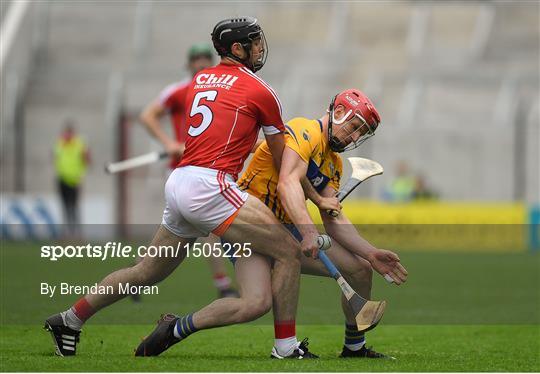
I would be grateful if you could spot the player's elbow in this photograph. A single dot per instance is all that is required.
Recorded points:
(149, 115)
(144, 118)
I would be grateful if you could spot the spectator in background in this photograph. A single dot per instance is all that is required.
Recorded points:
(421, 191)
(402, 187)
(71, 157)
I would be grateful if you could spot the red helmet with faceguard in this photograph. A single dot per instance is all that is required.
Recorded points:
(357, 105)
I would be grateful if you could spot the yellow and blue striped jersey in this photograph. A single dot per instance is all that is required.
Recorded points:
(305, 137)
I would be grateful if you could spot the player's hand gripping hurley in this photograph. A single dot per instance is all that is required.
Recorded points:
(362, 169)
(367, 313)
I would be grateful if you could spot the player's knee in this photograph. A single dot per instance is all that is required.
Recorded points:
(360, 270)
(255, 307)
(261, 305)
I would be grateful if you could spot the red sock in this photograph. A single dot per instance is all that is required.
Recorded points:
(284, 329)
(82, 309)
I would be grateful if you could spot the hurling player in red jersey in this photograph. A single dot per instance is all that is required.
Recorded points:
(226, 107)
(172, 102)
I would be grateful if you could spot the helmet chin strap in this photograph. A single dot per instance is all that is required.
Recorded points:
(247, 46)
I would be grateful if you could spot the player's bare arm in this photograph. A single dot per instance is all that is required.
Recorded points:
(327, 203)
(291, 195)
(150, 117)
(256, 145)
(343, 231)
(276, 144)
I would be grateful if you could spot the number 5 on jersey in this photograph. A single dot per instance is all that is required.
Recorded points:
(203, 110)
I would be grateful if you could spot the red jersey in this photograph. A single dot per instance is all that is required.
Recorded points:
(173, 98)
(226, 106)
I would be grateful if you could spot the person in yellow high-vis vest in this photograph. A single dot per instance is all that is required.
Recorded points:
(71, 158)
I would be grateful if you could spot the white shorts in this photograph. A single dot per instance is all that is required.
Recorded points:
(199, 201)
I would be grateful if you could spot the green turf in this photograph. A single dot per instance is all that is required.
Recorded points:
(457, 312)
(246, 348)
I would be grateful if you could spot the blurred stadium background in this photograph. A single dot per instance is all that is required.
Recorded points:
(457, 84)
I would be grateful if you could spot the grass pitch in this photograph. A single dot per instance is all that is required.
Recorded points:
(458, 312)
(247, 348)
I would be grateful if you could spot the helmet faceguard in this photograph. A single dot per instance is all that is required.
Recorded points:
(245, 31)
(348, 136)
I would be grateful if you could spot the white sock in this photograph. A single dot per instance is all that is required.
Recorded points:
(176, 333)
(356, 347)
(285, 347)
(71, 320)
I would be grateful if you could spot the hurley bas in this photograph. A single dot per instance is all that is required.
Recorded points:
(122, 289)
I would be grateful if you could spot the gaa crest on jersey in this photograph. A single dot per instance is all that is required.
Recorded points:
(305, 135)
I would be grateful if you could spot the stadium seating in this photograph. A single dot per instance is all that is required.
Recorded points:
(435, 79)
